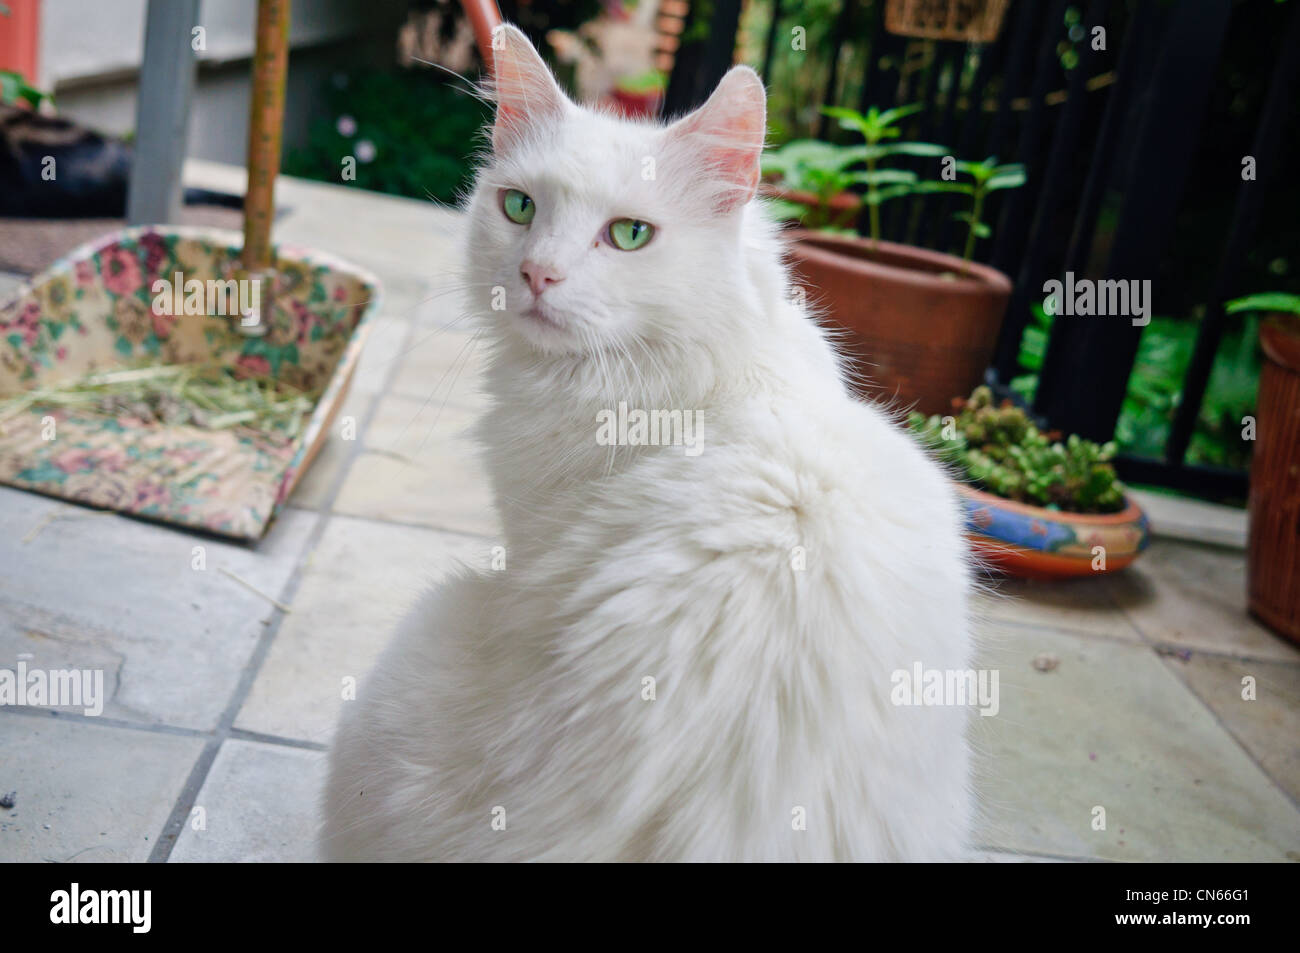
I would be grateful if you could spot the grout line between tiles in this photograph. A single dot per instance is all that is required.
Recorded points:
(243, 734)
(180, 812)
(72, 717)
(1065, 858)
(406, 524)
(1187, 686)
(156, 728)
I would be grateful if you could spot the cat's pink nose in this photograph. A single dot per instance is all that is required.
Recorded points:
(539, 277)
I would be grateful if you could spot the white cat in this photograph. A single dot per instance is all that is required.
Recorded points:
(690, 653)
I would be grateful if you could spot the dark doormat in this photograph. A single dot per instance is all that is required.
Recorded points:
(29, 245)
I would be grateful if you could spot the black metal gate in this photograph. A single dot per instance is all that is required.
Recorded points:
(1121, 127)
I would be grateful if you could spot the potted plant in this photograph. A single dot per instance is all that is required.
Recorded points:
(922, 324)
(809, 181)
(1273, 553)
(1036, 506)
(640, 97)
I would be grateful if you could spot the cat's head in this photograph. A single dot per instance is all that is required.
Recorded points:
(589, 230)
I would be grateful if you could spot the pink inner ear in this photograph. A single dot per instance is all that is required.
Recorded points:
(526, 92)
(728, 132)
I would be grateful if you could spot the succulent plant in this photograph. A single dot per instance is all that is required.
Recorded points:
(999, 449)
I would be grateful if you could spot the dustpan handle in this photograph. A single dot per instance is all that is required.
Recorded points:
(265, 130)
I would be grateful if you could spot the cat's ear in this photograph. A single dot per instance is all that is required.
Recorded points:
(526, 93)
(726, 135)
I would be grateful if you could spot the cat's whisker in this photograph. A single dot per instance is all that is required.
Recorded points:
(458, 366)
(424, 406)
(471, 88)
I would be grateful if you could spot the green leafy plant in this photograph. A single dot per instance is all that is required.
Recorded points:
(985, 177)
(1001, 450)
(1155, 386)
(825, 170)
(819, 169)
(655, 81)
(1282, 307)
(410, 132)
(877, 129)
(14, 89)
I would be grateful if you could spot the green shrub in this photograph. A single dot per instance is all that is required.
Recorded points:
(421, 133)
(999, 449)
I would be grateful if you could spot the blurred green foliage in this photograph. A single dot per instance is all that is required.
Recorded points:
(1155, 387)
(411, 132)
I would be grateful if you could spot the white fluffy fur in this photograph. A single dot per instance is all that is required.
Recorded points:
(522, 689)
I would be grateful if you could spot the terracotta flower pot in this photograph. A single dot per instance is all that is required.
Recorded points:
(1273, 558)
(638, 105)
(922, 325)
(841, 210)
(1037, 543)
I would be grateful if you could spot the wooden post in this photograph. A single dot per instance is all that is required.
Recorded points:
(265, 134)
(162, 112)
(265, 130)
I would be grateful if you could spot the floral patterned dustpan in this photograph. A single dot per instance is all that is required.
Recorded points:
(91, 311)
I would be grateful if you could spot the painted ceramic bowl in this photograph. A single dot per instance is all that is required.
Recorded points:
(1037, 543)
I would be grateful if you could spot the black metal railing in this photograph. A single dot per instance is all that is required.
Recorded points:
(1118, 130)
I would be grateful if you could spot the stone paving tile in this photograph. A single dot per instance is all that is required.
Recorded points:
(382, 354)
(443, 368)
(444, 305)
(1002, 857)
(1085, 605)
(393, 237)
(1111, 727)
(403, 295)
(313, 489)
(1195, 597)
(379, 363)
(102, 591)
(419, 468)
(260, 804)
(1269, 724)
(86, 792)
(349, 603)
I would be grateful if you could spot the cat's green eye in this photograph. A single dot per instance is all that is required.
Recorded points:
(518, 206)
(629, 234)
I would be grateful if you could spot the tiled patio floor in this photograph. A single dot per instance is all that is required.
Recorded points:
(212, 746)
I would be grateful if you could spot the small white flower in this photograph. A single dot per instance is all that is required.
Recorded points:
(347, 126)
(366, 151)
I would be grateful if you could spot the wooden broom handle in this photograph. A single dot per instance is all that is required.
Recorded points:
(265, 130)
(484, 17)
(266, 115)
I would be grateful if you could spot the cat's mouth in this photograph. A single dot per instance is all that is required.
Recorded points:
(540, 314)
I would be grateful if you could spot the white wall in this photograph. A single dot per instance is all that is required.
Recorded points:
(91, 50)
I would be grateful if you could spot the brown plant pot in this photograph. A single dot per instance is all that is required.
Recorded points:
(922, 325)
(842, 209)
(1273, 557)
(634, 105)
